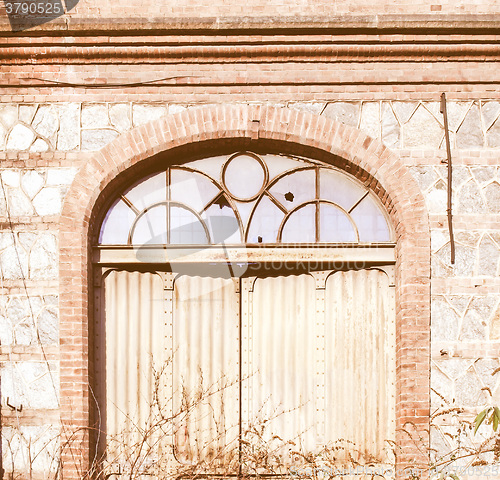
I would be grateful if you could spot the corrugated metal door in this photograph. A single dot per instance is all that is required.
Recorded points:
(361, 367)
(280, 362)
(319, 359)
(316, 352)
(206, 345)
(135, 349)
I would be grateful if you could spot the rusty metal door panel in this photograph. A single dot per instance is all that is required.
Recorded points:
(135, 349)
(317, 360)
(206, 368)
(360, 370)
(280, 365)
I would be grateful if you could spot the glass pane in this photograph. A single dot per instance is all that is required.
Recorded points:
(301, 226)
(222, 224)
(277, 164)
(334, 225)
(191, 189)
(265, 223)
(371, 222)
(151, 228)
(245, 209)
(185, 228)
(211, 166)
(244, 176)
(148, 192)
(338, 188)
(116, 226)
(295, 188)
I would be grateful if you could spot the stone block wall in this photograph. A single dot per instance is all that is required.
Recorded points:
(400, 125)
(465, 326)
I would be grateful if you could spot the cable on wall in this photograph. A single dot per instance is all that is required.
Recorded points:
(106, 85)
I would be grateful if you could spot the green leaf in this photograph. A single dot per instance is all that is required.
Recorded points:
(480, 419)
(496, 418)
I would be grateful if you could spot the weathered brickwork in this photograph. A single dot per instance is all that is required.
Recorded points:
(329, 90)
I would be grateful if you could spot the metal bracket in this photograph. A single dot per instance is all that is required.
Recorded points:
(450, 191)
(168, 279)
(12, 407)
(99, 273)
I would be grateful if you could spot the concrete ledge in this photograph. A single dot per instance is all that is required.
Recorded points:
(440, 23)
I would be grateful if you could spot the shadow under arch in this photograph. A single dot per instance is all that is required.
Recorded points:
(221, 129)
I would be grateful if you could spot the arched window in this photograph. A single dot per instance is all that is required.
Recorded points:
(246, 199)
(245, 298)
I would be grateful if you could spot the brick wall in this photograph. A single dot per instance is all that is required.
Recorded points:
(77, 136)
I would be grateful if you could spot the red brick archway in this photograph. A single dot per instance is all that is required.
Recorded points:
(362, 156)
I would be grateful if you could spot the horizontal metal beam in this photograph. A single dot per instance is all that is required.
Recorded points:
(373, 254)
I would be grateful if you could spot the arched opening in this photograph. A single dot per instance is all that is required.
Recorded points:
(220, 129)
(245, 301)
